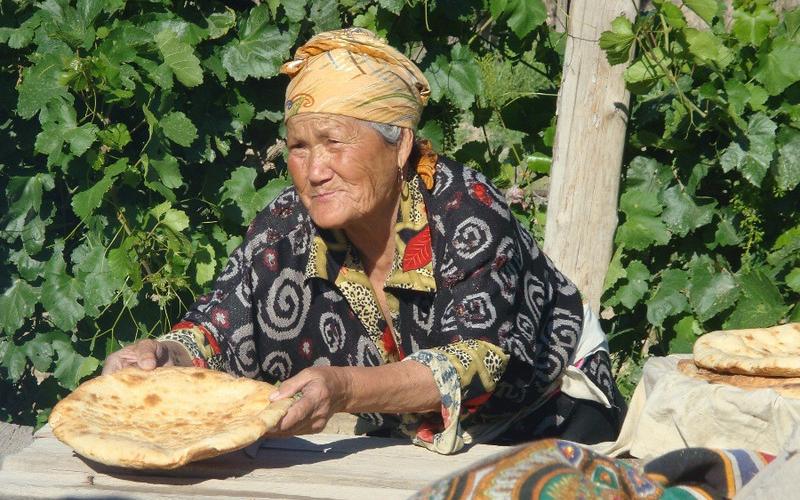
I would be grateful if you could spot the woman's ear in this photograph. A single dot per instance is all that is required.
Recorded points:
(404, 146)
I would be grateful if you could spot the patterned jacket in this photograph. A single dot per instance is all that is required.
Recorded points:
(471, 296)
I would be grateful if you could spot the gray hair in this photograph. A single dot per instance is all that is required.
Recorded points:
(390, 133)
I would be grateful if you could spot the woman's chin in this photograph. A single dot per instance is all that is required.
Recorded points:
(327, 220)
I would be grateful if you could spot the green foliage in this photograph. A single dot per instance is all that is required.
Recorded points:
(710, 231)
(140, 137)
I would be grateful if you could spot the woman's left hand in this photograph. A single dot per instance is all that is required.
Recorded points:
(324, 392)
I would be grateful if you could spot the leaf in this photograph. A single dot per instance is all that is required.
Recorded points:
(616, 271)
(793, 279)
(41, 85)
(86, 202)
(219, 23)
(71, 366)
(325, 15)
(787, 168)
(180, 58)
(646, 174)
(636, 286)
(753, 28)
(178, 128)
(753, 157)
(636, 202)
(205, 264)
(672, 13)
(707, 48)
(458, 78)
(618, 41)
(25, 193)
(646, 71)
(240, 190)
(258, 54)
(706, 9)
(669, 299)
(682, 214)
(433, 132)
(101, 282)
(539, 163)
(418, 252)
(780, 67)
(17, 304)
(33, 235)
(175, 219)
(525, 16)
(761, 303)
(641, 231)
(726, 234)
(39, 351)
(687, 329)
(60, 292)
(29, 269)
(116, 136)
(393, 6)
(295, 10)
(59, 126)
(168, 171)
(711, 290)
(13, 360)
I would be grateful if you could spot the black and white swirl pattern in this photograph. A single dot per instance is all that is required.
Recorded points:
(444, 178)
(332, 329)
(477, 311)
(449, 320)
(422, 312)
(283, 314)
(244, 348)
(277, 365)
(534, 295)
(472, 237)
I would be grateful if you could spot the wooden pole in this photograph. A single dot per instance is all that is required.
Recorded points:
(587, 153)
(557, 14)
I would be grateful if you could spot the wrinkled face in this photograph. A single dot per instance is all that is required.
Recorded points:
(343, 170)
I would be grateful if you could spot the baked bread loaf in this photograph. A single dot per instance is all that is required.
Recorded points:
(766, 352)
(164, 418)
(787, 387)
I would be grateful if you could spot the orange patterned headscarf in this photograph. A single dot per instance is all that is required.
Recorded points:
(354, 73)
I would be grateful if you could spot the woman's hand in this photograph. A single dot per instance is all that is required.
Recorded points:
(147, 354)
(325, 392)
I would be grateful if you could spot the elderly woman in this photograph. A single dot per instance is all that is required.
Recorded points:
(393, 283)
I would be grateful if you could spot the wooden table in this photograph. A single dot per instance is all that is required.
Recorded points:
(318, 466)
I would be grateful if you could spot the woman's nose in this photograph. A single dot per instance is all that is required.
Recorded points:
(319, 166)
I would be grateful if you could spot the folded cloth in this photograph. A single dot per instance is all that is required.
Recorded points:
(558, 469)
(671, 411)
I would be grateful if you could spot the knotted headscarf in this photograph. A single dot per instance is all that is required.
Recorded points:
(354, 73)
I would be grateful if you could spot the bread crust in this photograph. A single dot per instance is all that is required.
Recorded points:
(766, 352)
(165, 418)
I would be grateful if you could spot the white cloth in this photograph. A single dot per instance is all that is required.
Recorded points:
(670, 411)
(575, 383)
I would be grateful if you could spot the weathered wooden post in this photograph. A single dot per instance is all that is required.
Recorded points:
(587, 153)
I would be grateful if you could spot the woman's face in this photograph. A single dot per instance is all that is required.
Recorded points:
(343, 170)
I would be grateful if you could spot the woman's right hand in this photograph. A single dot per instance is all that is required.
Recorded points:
(147, 354)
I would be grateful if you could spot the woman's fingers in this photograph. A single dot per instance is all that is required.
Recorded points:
(312, 411)
(145, 354)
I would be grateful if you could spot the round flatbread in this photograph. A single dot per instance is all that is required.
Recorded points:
(767, 352)
(788, 387)
(165, 418)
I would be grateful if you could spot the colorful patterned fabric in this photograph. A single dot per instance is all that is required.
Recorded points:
(470, 294)
(352, 72)
(557, 469)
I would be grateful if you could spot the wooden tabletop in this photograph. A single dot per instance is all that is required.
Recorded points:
(318, 466)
